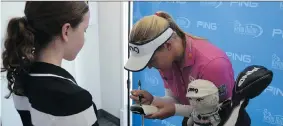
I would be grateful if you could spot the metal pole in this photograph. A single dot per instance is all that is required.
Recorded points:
(128, 81)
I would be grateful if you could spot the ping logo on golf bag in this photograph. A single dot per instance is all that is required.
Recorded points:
(135, 49)
(246, 75)
(193, 89)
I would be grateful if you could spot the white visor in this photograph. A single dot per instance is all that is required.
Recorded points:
(141, 54)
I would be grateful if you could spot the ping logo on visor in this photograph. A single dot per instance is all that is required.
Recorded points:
(140, 54)
(152, 45)
(134, 49)
(193, 89)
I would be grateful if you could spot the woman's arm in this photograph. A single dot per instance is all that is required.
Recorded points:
(183, 110)
(167, 98)
(180, 110)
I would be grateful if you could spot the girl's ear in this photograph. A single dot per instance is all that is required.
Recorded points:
(65, 29)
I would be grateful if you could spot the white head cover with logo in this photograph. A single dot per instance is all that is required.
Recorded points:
(142, 53)
(200, 88)
(204, 99)
(203, 96)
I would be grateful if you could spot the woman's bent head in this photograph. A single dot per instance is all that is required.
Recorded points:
(149, 31)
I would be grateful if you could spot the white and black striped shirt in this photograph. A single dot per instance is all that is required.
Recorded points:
(52, 98)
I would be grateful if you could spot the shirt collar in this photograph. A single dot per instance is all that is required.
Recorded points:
(189, 61)
(46, 68)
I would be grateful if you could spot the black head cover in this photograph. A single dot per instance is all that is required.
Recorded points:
(251, 82)
(137, 109)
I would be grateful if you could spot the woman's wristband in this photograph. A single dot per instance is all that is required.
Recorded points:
(183, 110)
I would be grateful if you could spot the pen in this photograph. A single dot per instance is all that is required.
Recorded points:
(140, 96)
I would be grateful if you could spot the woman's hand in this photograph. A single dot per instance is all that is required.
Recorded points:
(147, 98)
(165, 110)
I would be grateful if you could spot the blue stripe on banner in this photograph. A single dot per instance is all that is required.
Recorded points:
(249, 33)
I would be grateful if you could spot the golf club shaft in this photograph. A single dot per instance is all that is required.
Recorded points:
(142, 120)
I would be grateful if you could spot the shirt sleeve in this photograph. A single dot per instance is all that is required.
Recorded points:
(79, 110)
(164, 80)
(180, 110)
(220, 72)
(167, 98)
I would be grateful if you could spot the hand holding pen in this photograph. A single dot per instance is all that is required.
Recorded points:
(141, 96)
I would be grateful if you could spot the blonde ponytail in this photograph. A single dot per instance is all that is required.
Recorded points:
(151, 26)
(174, 25)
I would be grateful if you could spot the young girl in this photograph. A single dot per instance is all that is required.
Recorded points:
(157, 41)
(44, 93)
